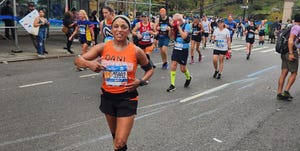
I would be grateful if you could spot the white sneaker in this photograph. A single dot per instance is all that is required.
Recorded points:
(41, 56)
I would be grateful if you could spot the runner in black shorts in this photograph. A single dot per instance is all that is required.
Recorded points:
(197, 29)
(181, 50)
(250, 32)
(119, 96)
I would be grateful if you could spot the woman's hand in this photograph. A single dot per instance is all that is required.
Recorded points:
(132, 84)
(95, 65)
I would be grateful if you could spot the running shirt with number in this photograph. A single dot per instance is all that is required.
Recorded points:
(84, 32)
(195, 30)
(163, 24)
(221, 39)
(106, 30)
(180, 44)
(250, 35)
(120, 67)
(145, 32)
(231, 26)
(214, 25)
(205, 26)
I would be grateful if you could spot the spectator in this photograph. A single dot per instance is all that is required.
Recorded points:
(43, 24)
(8, 11)
(290, 62)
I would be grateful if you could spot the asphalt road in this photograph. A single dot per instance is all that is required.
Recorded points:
(46, 105)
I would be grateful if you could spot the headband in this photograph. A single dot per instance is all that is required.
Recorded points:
(124, 18)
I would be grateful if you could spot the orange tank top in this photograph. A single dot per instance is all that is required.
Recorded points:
(120, 67)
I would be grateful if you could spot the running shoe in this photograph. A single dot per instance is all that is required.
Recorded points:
(187, 82)
(165, 66)
(171, 88)
(248, 56)
(41, 56)
(219, 76)
(228, 55)
(200, 58)
(282, 97)
(215, 74)
(287, 93)
(192, 62)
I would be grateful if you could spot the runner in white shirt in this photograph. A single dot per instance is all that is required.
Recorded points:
(221, 38)
(206, 27)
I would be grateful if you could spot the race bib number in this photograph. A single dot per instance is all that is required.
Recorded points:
(163, 27)
(250, 35)
(108, 38)
(82, 30)
(116, 75)
(220, 43)
(195, 33)
(178, 46)
(146, 37)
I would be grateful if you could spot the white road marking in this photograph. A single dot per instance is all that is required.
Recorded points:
(89, 75)
(143, 116)
(71, 147)
(205, 92)
(247, 86)
(27, 139)
(268, 50)
(203, 114)
(35, 84)
(203, 100)
(257, 49)
(217, 140)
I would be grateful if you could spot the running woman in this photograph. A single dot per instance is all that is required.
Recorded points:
(163, 25)
(197, 30)
(180, 50)
(221, 38)
(206, 26)
(86, 31)
(106, 24)
(145, 30)
(119, 61)
(261, 32)
(250, 32)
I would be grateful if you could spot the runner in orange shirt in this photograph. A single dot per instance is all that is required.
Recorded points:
(119, 59)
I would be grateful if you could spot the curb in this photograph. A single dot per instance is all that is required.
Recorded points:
(36, 58)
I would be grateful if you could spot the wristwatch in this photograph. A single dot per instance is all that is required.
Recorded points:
(142, 82)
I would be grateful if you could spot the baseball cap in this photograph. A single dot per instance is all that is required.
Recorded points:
(220, 20)
(144, 14)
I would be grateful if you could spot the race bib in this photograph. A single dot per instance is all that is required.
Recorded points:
(115, 75)
(195, 33)
(82, 30)
(163, 27)
(146, 37)
(108, 38)
(250, 35)
(178, 46)
(220, 43)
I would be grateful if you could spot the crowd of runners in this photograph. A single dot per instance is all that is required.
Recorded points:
(118, 57)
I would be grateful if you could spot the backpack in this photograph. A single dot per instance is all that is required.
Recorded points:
(282, 41)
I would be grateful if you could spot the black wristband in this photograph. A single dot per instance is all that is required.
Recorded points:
(142, 82)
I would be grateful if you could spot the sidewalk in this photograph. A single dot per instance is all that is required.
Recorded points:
(54, 45)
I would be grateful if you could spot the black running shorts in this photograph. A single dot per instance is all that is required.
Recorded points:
(205, 34)
(119, 106)
(250, 40)
(219, 52)
(180, 56)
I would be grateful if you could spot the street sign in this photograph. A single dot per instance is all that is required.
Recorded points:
(244, 7)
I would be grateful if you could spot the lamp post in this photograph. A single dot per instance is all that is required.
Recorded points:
(245, 6)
